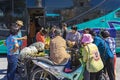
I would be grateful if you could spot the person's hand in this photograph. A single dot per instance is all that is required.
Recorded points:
(25, 37)
(73, 43)
(4, 43)
(70, 44)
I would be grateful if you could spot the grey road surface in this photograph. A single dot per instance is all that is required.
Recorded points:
(3, 68)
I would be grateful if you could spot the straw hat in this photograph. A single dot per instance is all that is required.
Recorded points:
(19, 22)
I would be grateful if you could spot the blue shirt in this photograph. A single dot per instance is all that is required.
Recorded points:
(103, 47)
(10, 44)
(19, 35)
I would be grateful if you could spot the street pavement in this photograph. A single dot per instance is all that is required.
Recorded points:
(118, 67)
(3, 68)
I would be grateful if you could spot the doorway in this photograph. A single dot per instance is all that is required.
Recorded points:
(36, 21)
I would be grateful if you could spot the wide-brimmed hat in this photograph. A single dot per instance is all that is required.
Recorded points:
(87, 38)
(19, 22)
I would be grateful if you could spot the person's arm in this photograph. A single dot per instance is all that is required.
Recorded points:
(16, 45)
(22, 38)
(84, 54)
(37, 36)
(68, 36)
(4, 43)
(78, 38)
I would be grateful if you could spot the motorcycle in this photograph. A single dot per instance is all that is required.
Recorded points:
(47, 70)
(44, 69)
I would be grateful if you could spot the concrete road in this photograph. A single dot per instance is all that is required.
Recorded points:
(3, 67)
(118, 67)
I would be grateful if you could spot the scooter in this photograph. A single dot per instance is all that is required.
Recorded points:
(47, 70)
(44, 69)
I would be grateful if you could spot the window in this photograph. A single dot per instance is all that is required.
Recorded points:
(10, 11)
(1, 13)
(5, 14)
(81, 4)
(84, 20)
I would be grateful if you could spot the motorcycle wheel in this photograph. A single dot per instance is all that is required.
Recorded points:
(102, 77)
(22, 71)
(40, 74)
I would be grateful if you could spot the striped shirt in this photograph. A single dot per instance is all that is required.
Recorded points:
(112, 43)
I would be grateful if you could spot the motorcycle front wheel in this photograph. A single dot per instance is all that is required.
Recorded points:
(40, 74)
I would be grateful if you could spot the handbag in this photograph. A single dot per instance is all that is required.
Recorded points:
(94, 64)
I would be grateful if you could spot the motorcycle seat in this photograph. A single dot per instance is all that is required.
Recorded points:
(48, 61)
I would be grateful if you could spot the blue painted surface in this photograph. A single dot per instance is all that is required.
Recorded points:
(108, 21)
(3, 48)
(52, 15)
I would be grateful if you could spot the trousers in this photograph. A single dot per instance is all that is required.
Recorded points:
(12, 65)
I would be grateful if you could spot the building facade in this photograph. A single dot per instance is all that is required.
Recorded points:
(85, 10)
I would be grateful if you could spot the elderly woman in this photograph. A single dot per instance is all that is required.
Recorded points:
(91, 57)
(58, 52)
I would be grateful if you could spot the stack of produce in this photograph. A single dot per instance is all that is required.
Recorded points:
(34, 50)
(39, 46)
